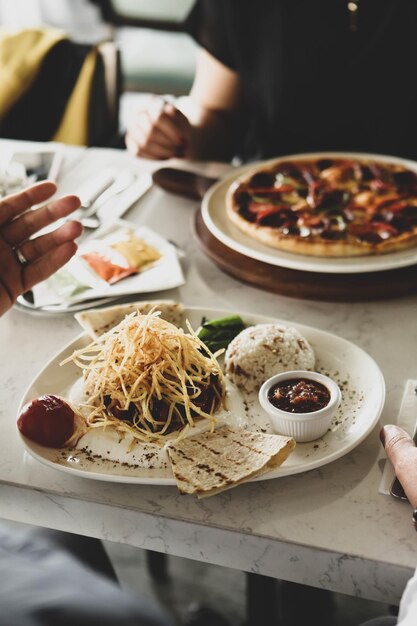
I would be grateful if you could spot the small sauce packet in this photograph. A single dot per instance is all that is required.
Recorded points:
(119, 255)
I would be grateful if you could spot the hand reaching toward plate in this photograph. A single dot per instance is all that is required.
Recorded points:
(402, 453)
(25, 261)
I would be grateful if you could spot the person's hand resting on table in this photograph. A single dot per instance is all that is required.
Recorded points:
(24, 262)
(402, 452)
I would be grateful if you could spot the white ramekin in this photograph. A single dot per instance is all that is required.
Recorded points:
(301, 426)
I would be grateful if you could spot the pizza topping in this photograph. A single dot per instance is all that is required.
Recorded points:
(345, 200)
(406, 181)
(281, 179)
(373, 232)
(263, 179)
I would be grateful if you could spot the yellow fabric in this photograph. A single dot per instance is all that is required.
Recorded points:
(21, 56)
(74, 125)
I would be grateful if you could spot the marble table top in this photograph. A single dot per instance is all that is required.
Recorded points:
(328, 528)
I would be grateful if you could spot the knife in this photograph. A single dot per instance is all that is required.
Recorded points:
(408, 408)
(119, 184)
(111, 211)
(91, 191)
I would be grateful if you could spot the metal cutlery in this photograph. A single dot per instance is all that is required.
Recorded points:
(111, 211)
(119, 184)
(105, 188)
(90, 192)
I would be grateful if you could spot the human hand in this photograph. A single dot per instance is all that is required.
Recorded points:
(402, 453)
(159, 131)
(40, 257)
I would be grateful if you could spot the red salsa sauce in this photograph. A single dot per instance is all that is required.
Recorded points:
(299, 395)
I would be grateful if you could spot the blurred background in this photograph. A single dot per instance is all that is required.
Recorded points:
(142, 48)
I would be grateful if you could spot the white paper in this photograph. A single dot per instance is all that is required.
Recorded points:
(166, 273)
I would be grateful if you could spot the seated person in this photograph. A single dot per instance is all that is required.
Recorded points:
(283, 77)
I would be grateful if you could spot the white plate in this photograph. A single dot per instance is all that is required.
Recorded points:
(363, 391)
(216, 220)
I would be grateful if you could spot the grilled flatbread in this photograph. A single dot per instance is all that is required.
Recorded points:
(98, 321)
(215, 461)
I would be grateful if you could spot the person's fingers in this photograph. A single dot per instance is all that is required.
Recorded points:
(17, 203)
(10, 278)
(21, 228)
(163, 140)
(396, 443)
(148, 150)
(5, 301)
(35, 248)
(145, 138)
(402, 453)
(45, 266)
(45, 255)
(155, 151)
(131, 144)
(159, 132)
(171, 122)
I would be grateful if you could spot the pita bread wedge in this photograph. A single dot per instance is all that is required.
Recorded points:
(98, 321)
(215, 461)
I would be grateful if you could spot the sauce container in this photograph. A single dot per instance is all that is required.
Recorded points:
(307, 424)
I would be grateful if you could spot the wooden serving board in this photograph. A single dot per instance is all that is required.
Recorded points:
(300, 284)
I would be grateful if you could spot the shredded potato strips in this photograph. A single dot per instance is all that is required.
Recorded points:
(149, 378)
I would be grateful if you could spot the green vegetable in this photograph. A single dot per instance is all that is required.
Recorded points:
(218, 333)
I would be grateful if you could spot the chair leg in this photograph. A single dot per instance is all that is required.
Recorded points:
(157, 563)
(262, 605)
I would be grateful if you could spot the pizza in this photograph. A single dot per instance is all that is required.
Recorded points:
(335, 207)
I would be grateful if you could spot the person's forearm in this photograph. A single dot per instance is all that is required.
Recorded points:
(213, 136)
(213, 106)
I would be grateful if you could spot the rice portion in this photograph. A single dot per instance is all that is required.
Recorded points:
(261, 351)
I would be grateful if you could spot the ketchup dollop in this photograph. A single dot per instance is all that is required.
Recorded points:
(47, 420)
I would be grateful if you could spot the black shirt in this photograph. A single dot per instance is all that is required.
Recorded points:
(309, 82)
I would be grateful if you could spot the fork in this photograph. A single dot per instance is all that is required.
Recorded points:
(89, 219)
